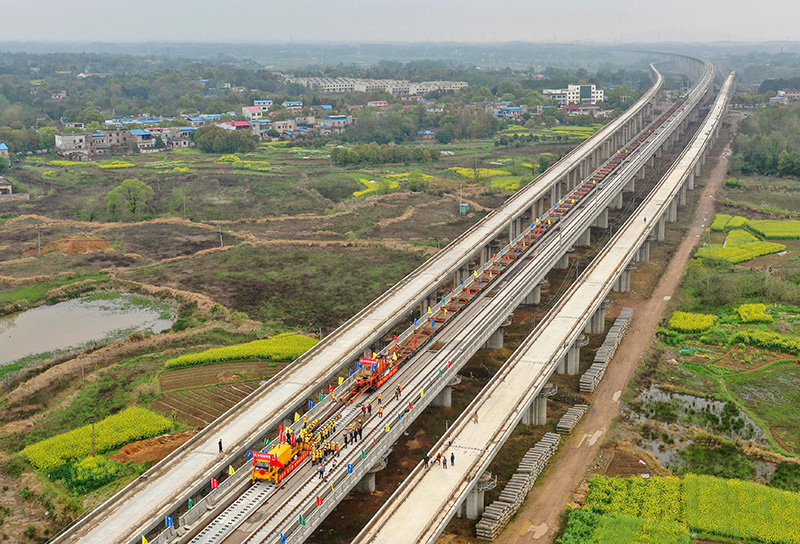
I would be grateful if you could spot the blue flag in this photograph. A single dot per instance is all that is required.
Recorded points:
(349, 468)
(310, 404)
(283, 538)
(359, 367)
(168, 522)
(352, 371)
(374, 367)
(415, 321)
(249, 455)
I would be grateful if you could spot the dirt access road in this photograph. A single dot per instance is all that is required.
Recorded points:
(539, 520)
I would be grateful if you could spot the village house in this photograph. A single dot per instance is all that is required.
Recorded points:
(4, 151)
(252, 112)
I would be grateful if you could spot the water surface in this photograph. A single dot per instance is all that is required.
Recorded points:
(76, 322)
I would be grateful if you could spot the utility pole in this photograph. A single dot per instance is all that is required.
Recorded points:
(39, 237)
(184, 207)
(221, 243)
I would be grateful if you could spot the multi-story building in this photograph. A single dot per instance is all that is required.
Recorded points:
(72, 146)
(334, 124)
(287, 125)
(144, 140)
(252, 112)
(575, 94)
(293, 105)
(174, 137)
(263, 105)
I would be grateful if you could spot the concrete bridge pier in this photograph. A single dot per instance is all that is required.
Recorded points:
(601, 221)
(623, 281)
(597, 322)
(672, 211)
(643, 253)
(495, 341)
(573, 359)
(616, 204)
(661, 225)
(682, 195)
(536, 413)
(367, 482)
(535, 297)
(585, 239)
(630, 186)
(697, 168)
(474, 503)
(563, 262)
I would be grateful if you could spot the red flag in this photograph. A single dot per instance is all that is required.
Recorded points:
(214, 483)
(274, 462)
(330, 388)
(415, 340)
(294, 440)
(395, 338)
(319, 500)
(449, 364)
(282, 437)
(410, 406)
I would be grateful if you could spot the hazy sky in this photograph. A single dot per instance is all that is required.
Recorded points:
(399, 20)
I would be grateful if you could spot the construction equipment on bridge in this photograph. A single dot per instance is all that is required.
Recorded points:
(376, 370)
(283, 458)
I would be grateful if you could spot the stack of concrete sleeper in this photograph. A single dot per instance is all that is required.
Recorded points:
(571, 418)
(497, 515)
(606, 352)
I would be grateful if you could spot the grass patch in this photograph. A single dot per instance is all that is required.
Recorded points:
(35, 292)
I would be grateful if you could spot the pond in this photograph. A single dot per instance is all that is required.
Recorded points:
(68, 325)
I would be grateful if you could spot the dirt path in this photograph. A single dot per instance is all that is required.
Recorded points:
(539, 520)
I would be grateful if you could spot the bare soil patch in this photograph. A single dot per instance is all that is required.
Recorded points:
(201, 376)
(153, 449)
(73, 245)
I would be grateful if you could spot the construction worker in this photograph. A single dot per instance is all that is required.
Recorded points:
(380, 397)
(380, 411)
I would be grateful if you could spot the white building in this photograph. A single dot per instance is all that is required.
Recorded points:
(71, 144)
(263, 105)
(252, 112)
(575, 94)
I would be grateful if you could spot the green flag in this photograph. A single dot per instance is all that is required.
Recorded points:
(302, 520)
(363, 454)
(321, 396)
(267, 441)
(191, 503)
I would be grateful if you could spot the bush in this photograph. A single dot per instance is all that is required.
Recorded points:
(283, 347)
(112, 432)
(691, 322)
(767, 340)
(88, 474)
(754, 313)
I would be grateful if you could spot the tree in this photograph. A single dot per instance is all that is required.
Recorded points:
(132, 193)
(160, 143)
(4, 164)
(444, 135)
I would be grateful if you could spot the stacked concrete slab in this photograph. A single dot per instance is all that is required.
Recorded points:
(606, 352)
(571, 418)
(499, 513)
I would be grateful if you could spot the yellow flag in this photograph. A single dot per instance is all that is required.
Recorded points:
(476, 273)
(429, 310)
(388, 428)
(445, 310)
(421, 393)
(144, 540)
(332, 489)
(341, 380)
(374, 355)
(231, 470)
(296, 416)
(394, 356)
